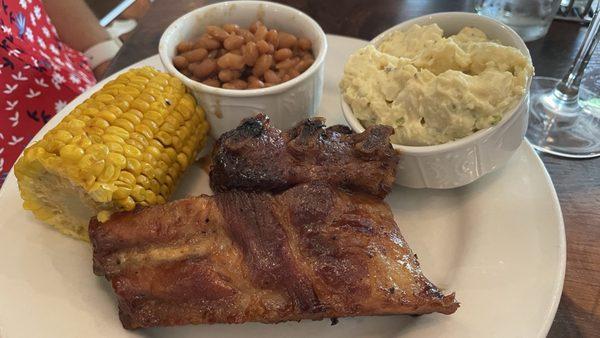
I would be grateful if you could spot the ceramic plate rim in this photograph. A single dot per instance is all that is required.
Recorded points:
(561, 266)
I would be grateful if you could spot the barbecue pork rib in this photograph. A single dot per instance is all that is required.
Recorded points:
(313, 251)
(258, 157)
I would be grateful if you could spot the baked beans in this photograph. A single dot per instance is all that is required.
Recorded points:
(231, 57)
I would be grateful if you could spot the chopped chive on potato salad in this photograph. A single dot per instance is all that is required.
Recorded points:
(434, 89)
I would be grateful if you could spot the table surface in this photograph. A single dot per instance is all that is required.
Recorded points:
(577, 182)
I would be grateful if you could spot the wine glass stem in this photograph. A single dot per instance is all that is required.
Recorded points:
(568, 88)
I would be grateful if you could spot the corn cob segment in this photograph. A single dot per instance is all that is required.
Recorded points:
(126, 145)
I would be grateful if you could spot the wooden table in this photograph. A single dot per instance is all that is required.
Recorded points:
(577, 182)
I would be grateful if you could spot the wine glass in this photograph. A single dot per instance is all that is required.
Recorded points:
(564, 116)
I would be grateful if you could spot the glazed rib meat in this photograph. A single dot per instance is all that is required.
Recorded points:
(312, 251)
(297, 230)
(258, 157)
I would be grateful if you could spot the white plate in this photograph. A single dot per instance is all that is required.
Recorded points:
(498, 243)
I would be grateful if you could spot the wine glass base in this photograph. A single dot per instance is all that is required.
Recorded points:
(566, 129)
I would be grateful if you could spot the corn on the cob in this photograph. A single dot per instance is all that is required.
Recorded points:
(126, 145)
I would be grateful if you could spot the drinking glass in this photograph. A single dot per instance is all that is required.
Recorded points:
(529, 18)
(564, 116)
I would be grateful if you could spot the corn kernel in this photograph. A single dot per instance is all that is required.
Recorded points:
(104, 98)
(130, 116)
(115, 147)
(118, 131)
(100, 123)
(140, 104)
(148, 170)
(75, 124)
(155, 86)
(156, 143)
(168, 180)
(99, 150)
(155, 152)
(63, 136)
(174, 170)
(90, 112)
(161, 80)
(139, 79)
(143, 181)
(138, 193)
(171, 153)
(123, 102)
(139, 138)
(145, 96)
(176, 142)
(53, 146)
(168, 128)
(165, 158)
(144, 130)
(106, 116)
(154, 90)
(178, 117)
(88, 180)
(164, 190)
(92, 130)
(71, 153)
(187, 150)
(123, 123)
(127, 177)
(115, 85)
(182, 132)
(122, 192)
(109, 174)
(150, 197)
(155, 117)
(129, 91)
(117, 159)
(134, 143)
(114, 109)
(128, 203)
(101, 192)
(182, 159)
(131, 151)
(103, 215)
(153, 125)
(90, 164)
(134, 166)
(113, 138)
(154, 185)
(164, 137)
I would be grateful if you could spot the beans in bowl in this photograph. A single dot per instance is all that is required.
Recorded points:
(231, 57)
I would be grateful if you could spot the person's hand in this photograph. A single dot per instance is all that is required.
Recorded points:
(71, 18)
(101, 69)
(136, 10)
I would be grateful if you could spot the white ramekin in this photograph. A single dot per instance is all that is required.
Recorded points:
(463, 161)
(286, 103)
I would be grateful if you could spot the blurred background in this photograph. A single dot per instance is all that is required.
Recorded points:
(119, 16)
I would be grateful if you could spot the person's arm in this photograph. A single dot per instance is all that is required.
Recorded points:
(77, 26)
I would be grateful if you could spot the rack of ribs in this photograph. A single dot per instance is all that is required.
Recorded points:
(256, 156)
(313, 250)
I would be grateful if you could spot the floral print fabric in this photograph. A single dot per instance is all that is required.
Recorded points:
(39, 75)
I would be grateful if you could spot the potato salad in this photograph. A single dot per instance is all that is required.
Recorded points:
(433, 89)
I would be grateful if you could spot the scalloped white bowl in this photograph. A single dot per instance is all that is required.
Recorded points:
(460, 162)
(286, 103)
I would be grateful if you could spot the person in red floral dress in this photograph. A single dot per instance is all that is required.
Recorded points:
(39, 72)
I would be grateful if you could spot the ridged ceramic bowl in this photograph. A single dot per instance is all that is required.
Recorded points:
(285, 103)
(460, 162)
